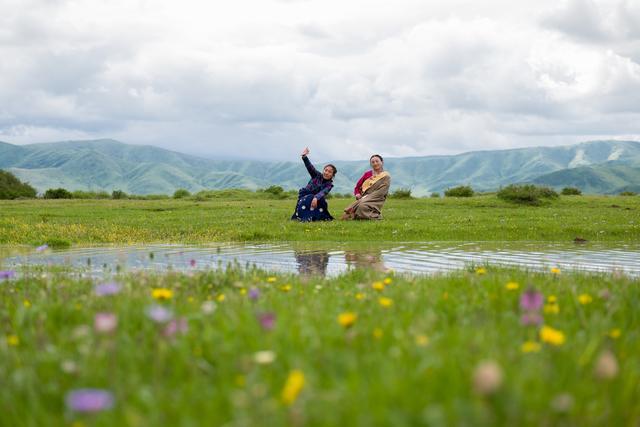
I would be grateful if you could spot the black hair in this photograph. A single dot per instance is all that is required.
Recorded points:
(378, 156)
(335, 170)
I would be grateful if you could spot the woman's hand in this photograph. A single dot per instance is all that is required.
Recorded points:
(305, 151)
(314, 203)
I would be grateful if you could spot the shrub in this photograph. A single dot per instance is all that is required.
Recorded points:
(181, 193)
(12, 188)
(118, 194)
(628, 193)
(571, 191)
(459, 191)
(275, 192)
(78, 194)
(401, 193)
(435, 195)
(58, 193)
(527, 194)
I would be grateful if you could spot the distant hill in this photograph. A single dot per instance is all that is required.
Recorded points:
(595, 167)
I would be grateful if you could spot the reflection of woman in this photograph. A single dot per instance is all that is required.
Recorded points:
(370, 191)
(367, 259)
(312, 262)
(312, 205)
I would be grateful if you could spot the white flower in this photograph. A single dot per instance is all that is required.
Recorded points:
(264, 357)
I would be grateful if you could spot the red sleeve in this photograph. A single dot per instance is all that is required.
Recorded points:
(358, 188)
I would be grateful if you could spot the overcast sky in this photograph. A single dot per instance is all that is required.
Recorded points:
(348, 78)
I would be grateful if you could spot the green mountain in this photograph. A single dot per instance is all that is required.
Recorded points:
(596, 166)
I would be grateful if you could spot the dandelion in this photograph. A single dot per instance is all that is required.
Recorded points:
(531, 300)
(422, 340)
(512, 286)
(271, 279)
(13, 340)
(378, 333)
(585, 299)
(487, 378)
(388, 281)
(552, 299)
(220, 298)
(159, 314)
(254, 294)
(105, 322)
(359, 296)
(175, 327)
(378, 286)
(26, 303)
(89, 400)
(555, 270)
(243, 291)
(530, 347)
(104, 289)
(385, 302)
(267, 321)
(615, 333)
(481, 271)
(606, 366)
(347, 319)
(265, 357)
(285, 288)
(552, 336)
(293, 387)
(551, 309)
(162, 294)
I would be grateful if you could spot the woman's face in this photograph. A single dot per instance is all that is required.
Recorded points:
(376, 164)
(327, 172)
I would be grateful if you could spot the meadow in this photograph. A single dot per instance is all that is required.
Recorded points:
(478, 347)
(246, 216)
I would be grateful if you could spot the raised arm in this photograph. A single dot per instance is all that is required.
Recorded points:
(310, 168)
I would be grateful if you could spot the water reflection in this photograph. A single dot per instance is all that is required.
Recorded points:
(312, 262)
(369, 258)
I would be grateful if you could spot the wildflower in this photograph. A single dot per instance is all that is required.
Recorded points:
(422, 340)
(378, 333)
(176, 326)
(104, 289)
(13, 340)
(378, 286)
(387, 281)
(385, 302)
(481, 271)
(208, 307)
(293, 387)
(487, 378)
(531, 300)
(220, 298)
(552, 336)
(105, 322)
(551, 309)
(162, 294)
(265, 357)
(26, 303)
(267, 321)
(347, 319)
(254, 294)
(7, 274)
(530, 347)
(512, 286)
(552, 299)
(271, 279)
(159, 314)
(562, 403)
(530, 318)
(89, 400)
(42, 248)
(445, 296)
(243, 291)
(585, 299)
(606, 366)
(359, 296)
(555, 270)
(615, 333)
(285, 288)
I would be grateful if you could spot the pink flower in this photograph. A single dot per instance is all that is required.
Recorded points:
(531, 318)
(176, 326)
(89, 400)
(267, 321)
(531, 300)
(105, 322)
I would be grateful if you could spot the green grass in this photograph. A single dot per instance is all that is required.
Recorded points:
(242, 217)
(418, 370)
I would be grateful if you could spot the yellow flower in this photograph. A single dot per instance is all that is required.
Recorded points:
(378, 286)
(285, 288)
(359, 296)
(240, 380)
(615, 333)
(551, 336)
(422, 340)
(26, 303)
(552, 299)
(555, 270)
(220, 298)
(480, 271)
(551, 309)
(378, 333)
(243, 291)
(271, 279)
(512, 286)
(347, 319)
(385, 302)
(585, 299)
(162, 293)
(293, 387)
(13, 340)
(530, 347)
(388, 281)
(445, 296)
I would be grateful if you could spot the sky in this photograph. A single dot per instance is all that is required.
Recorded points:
(262, 79)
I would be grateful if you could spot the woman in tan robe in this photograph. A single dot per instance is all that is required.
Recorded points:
(370, 191)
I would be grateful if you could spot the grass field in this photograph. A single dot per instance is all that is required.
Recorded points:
(363, 349)
(254, 218)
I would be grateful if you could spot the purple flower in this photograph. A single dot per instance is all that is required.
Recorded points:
(104, 289)
(159, 314)
(531, 300)
(89, 400)
(105, 322)
(531, 318)
(254, 293)
(176, 326)
(42, 248)
(7, 274)
(267, 321)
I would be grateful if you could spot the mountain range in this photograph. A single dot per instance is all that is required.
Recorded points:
(604, 167)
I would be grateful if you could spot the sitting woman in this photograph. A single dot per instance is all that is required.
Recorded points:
(371, 192)
(311, 203)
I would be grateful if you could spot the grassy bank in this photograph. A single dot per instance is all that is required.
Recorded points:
(251, 349)
(85, 222)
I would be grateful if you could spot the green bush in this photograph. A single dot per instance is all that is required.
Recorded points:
(401, 193)
(571, 191)
(459, 191)
(118, 194)
(12, 188)
(628, 193)
(527, 194)
(435, 195)
(78, 194)
(181, 193)
(58, 193)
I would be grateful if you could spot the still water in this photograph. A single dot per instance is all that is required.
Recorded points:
(330, 258)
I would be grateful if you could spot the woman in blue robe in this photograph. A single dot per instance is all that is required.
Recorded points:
(312, 205)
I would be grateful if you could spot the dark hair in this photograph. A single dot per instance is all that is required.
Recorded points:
(335, 170)
(378, 156)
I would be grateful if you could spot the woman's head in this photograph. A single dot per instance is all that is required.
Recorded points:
(329, 171)
(376, 162)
